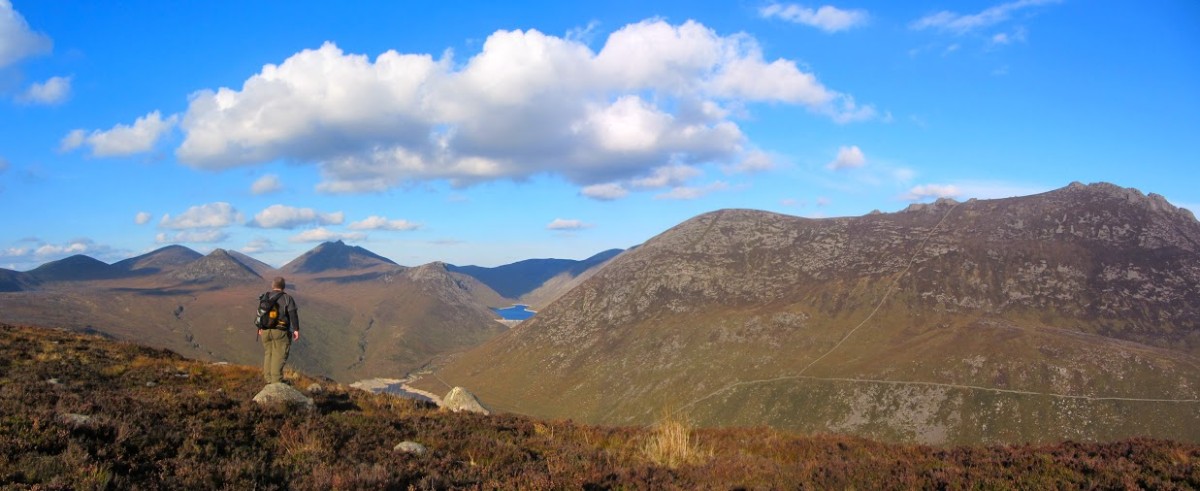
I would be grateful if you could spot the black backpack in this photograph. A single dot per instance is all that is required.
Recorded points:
(268, 311)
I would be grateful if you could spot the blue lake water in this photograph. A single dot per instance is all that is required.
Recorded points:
(518, 312)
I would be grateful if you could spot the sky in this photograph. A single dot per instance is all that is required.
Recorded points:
(483, 133)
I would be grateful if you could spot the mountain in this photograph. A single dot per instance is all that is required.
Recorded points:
(162, 260)
(334, 256)
(218, 265)
(13, 281)
(1073, 314)
(523, 277)
(74, 268)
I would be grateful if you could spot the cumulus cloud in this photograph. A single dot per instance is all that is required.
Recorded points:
(605, 192)
(566, 224)
(672, 175)
(956, 23)
(211, 215)
(17, 39)
(320, 234)
(848, 158)
(753, 161)
(528, 103)
(382, 223)
(280, 216)
(928, 191)
(209, 236)
(259, 244)
(54, 90)
(266, 184)
(122, 140)
(826, 18)
(690, 193)
(141, 218)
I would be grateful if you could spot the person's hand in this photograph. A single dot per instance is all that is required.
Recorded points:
(260, 333)
(295, 335)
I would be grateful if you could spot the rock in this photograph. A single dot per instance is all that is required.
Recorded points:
(281, 393)
(75, 420)
(458, 399)
(151, 384)
(315, 388)
(411, 447)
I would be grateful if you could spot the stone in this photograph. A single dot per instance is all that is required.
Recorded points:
(410, 447)
(75, 420)
(459, 399)
(283, 394)
(315, 388)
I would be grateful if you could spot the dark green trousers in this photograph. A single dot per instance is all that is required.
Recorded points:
(276, 345)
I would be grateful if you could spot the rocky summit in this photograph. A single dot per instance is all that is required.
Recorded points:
(1073, 314)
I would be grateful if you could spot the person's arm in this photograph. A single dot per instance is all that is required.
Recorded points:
(293, 317)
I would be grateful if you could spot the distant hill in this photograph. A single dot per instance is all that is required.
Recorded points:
(74, 268)
(218, 265)
(262, 269)
(334, 256)
(13, 281)
(523, 277)
(1073, 314)
(162, 260)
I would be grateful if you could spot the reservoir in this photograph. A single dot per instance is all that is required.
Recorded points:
(518, 312)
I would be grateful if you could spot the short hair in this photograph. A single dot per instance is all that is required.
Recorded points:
(278, 283)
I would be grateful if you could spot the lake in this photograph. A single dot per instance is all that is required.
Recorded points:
(518, 312)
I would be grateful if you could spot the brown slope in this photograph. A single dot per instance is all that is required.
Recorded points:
(1071, 314)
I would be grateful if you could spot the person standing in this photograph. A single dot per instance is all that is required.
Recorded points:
(277, 341)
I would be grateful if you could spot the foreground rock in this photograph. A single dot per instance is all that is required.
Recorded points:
(282, 394)
(459, 399)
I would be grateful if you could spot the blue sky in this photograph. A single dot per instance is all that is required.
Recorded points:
(476, 133)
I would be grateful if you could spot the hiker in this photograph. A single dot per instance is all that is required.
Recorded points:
(277, 340)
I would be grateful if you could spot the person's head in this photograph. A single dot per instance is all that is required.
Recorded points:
(278, 283)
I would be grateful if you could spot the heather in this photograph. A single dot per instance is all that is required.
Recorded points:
(83, 412)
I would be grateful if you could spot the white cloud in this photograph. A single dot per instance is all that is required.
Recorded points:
(211, 215)
(848, 158)
(266, 184)
(690, 193)
(209, 236)
(963, 23)
(320, 234)
(55, 90)
(528, 103)
(280, 216)
(141, 218)
(605, 192)
(122, 140)
(826, 18)
(927, 191)
(752, 161)
(670, 175)
(260, 244)
(382, 223)
(17, 39)
(566, 224)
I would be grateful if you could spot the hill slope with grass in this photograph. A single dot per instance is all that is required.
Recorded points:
(1073, 314)
(81, 412)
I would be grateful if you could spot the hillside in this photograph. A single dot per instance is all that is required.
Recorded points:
(1073, 314)
(81, 412)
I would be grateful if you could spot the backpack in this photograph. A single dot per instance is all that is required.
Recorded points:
(268, 311)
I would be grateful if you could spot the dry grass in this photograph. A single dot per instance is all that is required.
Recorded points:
(671, 442)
